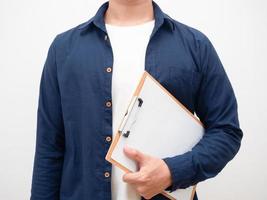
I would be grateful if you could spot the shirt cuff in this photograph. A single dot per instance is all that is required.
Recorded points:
(182, 171)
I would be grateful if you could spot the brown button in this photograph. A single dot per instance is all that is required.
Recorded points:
(108, 138)
(107, 174)
(109, 69)
(108, 104)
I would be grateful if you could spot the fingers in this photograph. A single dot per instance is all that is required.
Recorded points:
(136, 178)
(134, 154)
(139, 182)
(132, 178)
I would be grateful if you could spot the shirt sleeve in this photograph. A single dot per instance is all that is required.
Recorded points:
(49, 149)
(216, 107)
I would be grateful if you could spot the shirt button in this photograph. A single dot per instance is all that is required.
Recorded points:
(109, 69)
(108, 138)
(106, 37)
(108, 104)
(107, 174)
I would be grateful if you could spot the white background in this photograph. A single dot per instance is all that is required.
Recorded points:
(237, 29)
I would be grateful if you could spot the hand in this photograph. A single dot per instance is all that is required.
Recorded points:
(153, 176)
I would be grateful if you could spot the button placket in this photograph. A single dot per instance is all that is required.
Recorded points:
(107, 126)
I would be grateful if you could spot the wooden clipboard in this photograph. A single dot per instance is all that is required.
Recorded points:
(118, 134)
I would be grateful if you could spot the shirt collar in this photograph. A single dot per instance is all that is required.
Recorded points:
(98, 19)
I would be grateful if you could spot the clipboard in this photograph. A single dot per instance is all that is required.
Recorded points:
(153, 112)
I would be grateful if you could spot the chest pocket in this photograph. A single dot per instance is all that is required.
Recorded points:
(184, 85)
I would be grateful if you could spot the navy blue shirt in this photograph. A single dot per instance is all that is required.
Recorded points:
(74, 117)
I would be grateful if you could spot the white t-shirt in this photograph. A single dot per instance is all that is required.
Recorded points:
(129, 45)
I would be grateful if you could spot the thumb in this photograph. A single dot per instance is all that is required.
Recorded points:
(134, 154)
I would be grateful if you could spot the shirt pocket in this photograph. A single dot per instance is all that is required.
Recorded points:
(184, 85)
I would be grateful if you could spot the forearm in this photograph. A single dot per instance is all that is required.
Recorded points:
(207, 158)
(47, 171)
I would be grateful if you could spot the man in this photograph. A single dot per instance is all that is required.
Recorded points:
(90, 73)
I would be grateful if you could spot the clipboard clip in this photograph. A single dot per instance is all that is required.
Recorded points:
(127, 133)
